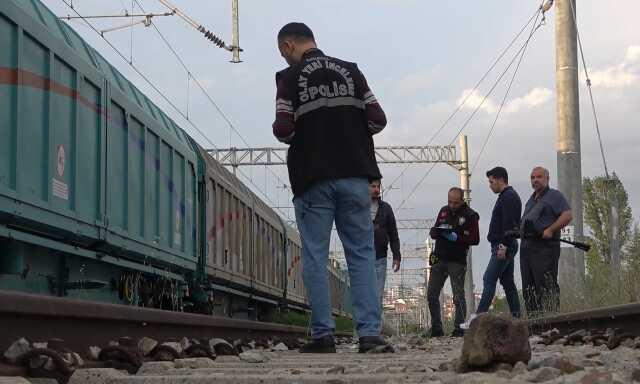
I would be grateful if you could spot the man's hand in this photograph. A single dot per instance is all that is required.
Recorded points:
(501, 254)
(396, 265)
(547, 234)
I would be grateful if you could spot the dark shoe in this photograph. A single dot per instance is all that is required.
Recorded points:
(374, 344)
(435, 332)
(457, 333)
(324, 344)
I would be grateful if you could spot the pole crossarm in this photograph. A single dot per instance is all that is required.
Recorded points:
(426, 154)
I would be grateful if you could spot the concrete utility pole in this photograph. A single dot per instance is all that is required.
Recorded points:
(470, 298)
(571, 268)
(235, 34)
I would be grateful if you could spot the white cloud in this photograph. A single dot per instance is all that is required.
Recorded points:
(415, 82)
(533, 98)
(633, 53)
(621, 75)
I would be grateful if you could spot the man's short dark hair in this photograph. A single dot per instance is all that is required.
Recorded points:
(298, 31)
(498, 173)
(457, 190)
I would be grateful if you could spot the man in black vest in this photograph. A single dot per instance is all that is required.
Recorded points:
(327, 114)
(455, 230)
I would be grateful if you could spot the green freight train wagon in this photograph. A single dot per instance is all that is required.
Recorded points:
(94, 178)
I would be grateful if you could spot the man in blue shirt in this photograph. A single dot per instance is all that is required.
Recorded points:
(545, 214)
(505, 217)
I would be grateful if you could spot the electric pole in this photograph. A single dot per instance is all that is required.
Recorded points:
(571, 265)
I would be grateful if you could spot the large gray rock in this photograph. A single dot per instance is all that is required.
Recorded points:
(493, 339)
(17, 349)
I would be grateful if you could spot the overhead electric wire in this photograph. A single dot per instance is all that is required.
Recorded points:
(504, 99)
(475, 87)
(475, 111)
(207, 95)
(164, 97)
(588, 81)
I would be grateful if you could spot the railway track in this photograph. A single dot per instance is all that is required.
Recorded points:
(72, 326)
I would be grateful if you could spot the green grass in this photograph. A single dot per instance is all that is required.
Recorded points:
(302, 319)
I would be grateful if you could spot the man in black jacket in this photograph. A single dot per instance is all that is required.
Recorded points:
(455, 230)
(385, 232)
(327, 114)
(505, 217)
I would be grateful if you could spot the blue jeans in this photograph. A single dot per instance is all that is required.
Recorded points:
(502, 270)
(347, 202)
(381, 274)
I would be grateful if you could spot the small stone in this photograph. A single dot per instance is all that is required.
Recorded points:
(152, 368)
(221, 347)
(17, 349)
(401, 347)
(397, 369)
(93, 353)
(280, 347)
(95, 376)
(382, 369)
(185, 343)
(337, 370)
(38, 361)
(415, 341)
(227, 359)
(630, 343)
(194, 363)
(543, 374)
(536, 340)
(560, 341)
(77, 359)
(14, 380)
(591, 363)
(519, 368)
(596, 377)
(593, 354)
(252, 344)
(146, 345)
(50, 365)
(176, 346)
(253, 356)
(566, 366)
(125, 341)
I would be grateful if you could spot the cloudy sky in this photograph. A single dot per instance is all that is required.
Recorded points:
(421, 58)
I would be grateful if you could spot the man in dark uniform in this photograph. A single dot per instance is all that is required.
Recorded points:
(455, 230)
(385, 233)
(327, 114)
(545, 214)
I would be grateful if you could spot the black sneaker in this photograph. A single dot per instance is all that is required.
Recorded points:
(374, 344)
(436, 332)
(457, 332)
(324, 344)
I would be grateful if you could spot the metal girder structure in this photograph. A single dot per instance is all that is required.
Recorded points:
(425, 154)
(414, 224)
